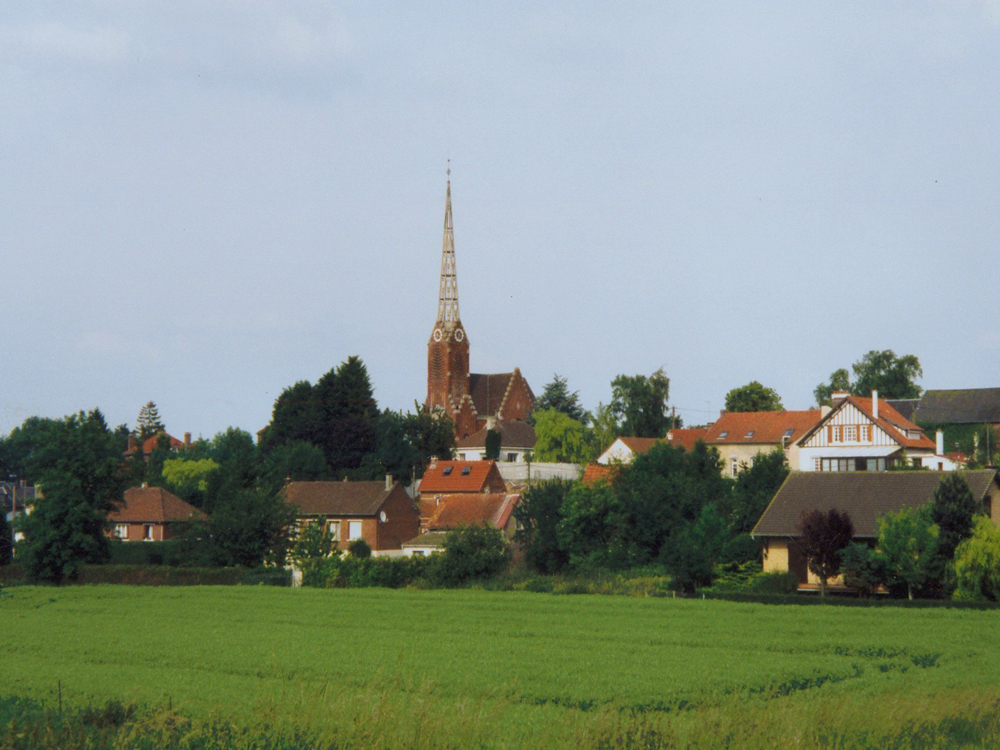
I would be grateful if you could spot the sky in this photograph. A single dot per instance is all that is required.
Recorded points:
(203, 202)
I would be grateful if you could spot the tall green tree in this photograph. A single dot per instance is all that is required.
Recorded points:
(296, 461)
(977, 562)
(824, 536)
(346, 416)
(695, 548)
(148, 423)
(562, 439)
(908, 542)
(251, 526)
(538, 515)
(755, 488)
(6, 538)
(293, 417)
(640, 404)
(882, 371)
(556, 395)
(953, 509)
(188, 479)
(753, 397)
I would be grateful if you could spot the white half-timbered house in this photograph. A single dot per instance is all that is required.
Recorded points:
(867, 434)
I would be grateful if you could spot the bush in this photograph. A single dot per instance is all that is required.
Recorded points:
(360, 572)
(470, 553)
(359, 548)
(783, 582)
(977, 563)
(184, 553)
(864, 569)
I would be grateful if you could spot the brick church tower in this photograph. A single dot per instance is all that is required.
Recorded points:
(472, 400)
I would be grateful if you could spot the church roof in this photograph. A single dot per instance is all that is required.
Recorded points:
(487, 391)
(512, 435)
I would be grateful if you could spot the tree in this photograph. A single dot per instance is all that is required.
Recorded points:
(755, 488)
(493, 445)
(313, 546)
(606, 428)
(345, 416)
(882, 371)
(63, 531)
(6, 539)
(908, 542)
(556, 395)
(695, 548)
(977, 562)
(562, 439)
(640, 404)
(823, 537)
(538, 516)
(148, 423)
(188, 479)
(952, 509)
(296, 461)
(251, 526)
(753, 397)
(292, 417)
(470, 553)
(864, 568)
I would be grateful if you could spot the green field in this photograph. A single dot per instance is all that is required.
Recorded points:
(381, 668)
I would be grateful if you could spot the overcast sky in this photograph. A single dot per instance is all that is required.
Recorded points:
(204, 202)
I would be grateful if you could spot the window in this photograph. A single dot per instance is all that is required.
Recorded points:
(863, 433)
(353, 530)
(466, 470)
(121, 531)
(850, 433)
(871, 465)
(834, 433)
(722, 436)
(734, 466)
(147, 532)
(788, 433)
(333, 527)
(817, 464)
(511, 458)
(748, 435)
(447, 471)
(461, 456)
(383, 517)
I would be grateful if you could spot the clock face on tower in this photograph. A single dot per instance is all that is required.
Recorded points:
(437, 334)
(459, 335)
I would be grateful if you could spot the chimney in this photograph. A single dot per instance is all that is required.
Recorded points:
(388, 482)
(824, 410)
(875, 404)
(131, 442)
(838, 396)
(187, 439)
(940, 442)
(433, 463)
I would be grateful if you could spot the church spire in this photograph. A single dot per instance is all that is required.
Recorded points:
(448, 295)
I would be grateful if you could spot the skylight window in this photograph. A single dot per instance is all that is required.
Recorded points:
(748, 435)
(466, 470)
(723, 435)
(447, 471)
(788, 432)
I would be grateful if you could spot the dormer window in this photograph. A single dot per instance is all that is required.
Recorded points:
(723, 435)
(447, 471)
(466, 470)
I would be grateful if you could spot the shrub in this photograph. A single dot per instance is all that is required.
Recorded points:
(977, 563)
(864, 569)
(783, 582)
(470, 553)
(359, 548)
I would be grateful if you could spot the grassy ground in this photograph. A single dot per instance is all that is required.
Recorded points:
(377, 668)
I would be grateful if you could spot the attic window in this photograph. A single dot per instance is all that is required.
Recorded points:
(788, 432)
(447, 471)
(723, 435)
(748, 435)
(466, 470)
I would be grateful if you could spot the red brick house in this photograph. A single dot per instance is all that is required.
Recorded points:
(449, 512)
(454, 478)
(151, 514)
(149, 444)
(381, 513)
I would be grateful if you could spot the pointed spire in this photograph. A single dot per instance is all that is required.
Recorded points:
(448, 295)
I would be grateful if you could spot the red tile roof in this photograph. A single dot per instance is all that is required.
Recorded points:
(768, 427)
(153, 505)
(460, 510)
(640, 445)
(686, 438)
(892, 422)
(149, 444)
(451, 476)
(337, 498)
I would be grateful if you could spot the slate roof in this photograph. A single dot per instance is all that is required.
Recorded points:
(761, 427)
(488, 390)
(967, 406)
(153, 505)
(865, 495)
(450, 476)
(337, 498)
(453, 511)
(686, 438)
(512, 435)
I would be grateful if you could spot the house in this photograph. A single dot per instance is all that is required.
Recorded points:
(949, 407)
(460, 477)
(739, 436)
(150, 443)
(595, 472)
(453, 511)
(469, 399)
(151, 514)
(865, 496)
(625, 449)
(381, 513)
(867, 434)
(686, 437)
(516, 439)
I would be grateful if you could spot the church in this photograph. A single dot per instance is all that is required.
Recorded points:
(474, 401)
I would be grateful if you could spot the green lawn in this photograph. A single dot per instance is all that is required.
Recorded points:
(514, 668)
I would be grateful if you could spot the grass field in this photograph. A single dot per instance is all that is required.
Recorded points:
(380, 668)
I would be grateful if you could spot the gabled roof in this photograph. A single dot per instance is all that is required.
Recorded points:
(337, 498)
(686, 438)
(149, 444)
(460, 476)
(453, 511)
(639, 445)
(965, 406)
(153, 505)
(487, 391)
(512, 435)
(756, 427)
(890, 420)
(864, 495)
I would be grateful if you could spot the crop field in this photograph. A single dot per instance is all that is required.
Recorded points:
(381, 668)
